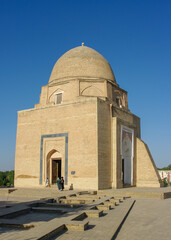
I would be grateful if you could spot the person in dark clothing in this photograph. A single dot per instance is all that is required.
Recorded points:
(62, 183)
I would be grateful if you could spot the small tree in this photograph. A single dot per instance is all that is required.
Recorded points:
(7, 178)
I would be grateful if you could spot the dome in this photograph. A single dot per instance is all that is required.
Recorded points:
(82, 62)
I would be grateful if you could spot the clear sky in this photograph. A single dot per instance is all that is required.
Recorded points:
(133, 35)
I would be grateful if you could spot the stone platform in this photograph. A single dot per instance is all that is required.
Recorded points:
(153, 193)
(37, 193)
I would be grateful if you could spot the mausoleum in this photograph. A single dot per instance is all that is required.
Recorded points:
(83, 130)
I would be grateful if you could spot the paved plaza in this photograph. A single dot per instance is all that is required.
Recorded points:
(148, 219)
(84, 215)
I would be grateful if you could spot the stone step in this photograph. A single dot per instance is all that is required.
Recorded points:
(75, 201)
(15, 211)
(77, 225)
(112, 204)
(48, 210)
(80, 217)
(80, 198)
(59, 205)
(103, 207)
(94, 213)
(115, 200)
(12, 223)
(87, 196)
(83, 192)
(120, 197)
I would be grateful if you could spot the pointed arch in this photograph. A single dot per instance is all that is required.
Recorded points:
(43, 157)
(52, 155)
(49, 155)
(92, 91)
(58, 90)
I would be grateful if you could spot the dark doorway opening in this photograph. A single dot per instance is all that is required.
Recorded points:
(123, 171)
(56, 169)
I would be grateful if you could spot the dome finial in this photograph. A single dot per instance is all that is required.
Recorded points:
(82, 43)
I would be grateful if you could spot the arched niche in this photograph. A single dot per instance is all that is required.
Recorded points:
(53, 163)
(54, 94)
(92, 91)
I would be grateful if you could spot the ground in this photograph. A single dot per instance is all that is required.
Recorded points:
(133, 218)
(148, 219)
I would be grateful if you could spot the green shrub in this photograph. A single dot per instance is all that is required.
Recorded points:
(165, 183)
(7, 178)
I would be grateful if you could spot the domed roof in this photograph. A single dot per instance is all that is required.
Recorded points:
(82, 62)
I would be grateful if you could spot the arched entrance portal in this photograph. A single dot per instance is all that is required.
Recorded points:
(54, 166)
(127, 152)
(56, 169)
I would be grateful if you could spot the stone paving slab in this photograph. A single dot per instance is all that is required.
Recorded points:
(43, 225)
(6, 191)
(14, 224)
(149, 219)
(12, 211)
(10, 234)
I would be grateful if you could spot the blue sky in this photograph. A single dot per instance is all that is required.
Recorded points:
(134, 36)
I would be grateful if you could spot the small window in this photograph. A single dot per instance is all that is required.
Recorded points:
(58, 98)
(118, 102)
